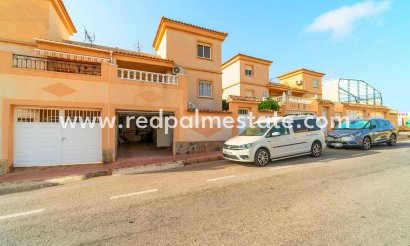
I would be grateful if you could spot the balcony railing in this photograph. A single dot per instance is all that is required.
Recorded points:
(292, 99)
(47, 64)
(161, 78)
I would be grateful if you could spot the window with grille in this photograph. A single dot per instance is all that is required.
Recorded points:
(38, 115)
(249, 93)
(205, 89)
(243, 111)
(204, 51)
(82, 115)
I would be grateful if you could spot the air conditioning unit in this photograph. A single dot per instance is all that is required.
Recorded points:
(177, 70)
(299, 82)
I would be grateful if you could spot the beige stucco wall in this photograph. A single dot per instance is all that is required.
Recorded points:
(211, 134)
(231, 74)
(233, 90)
(260, 73)
(37, 88)
(28, 19)
(307, 84)
(235, 74)
(330, 90)
(258, 90)
(56, 28)
(181, 47)
(23, 20)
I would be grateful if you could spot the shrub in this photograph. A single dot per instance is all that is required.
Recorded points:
(269, 104)
(225, 105)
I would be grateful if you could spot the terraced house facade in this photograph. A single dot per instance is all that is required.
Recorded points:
(302, 91)
(45, 76)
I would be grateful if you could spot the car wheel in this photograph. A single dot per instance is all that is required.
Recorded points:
(262, 157)
(316, 149)
(367, 143)
(393, 140)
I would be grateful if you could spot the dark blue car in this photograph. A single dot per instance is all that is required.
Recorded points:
(362, 133)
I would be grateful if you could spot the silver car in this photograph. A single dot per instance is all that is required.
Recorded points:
(362, 133)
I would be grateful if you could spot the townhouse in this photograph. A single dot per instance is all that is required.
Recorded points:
(301, 91)
(45, 77)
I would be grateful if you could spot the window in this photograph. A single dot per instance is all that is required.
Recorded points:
(279, 128)
(205, 89)
(248, 70)
(243, 111)
(249, 93)
(255, 130)
(204, 51)
(315, 83)
(313, 124)
(265, 94)
(299, 126)
(374, 123)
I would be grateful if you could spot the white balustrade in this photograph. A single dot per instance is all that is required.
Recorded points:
(160, 78)
(292, 99)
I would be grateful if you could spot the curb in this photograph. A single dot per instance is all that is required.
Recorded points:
(14, 187)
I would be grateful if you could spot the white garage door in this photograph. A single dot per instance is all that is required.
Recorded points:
(354, 114)
(41, 140)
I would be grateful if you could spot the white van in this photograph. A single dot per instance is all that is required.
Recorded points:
(276, 138)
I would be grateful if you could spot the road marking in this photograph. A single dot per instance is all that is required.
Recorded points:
(221, 178)
(281, 167)
(134, 194)
(21, 214)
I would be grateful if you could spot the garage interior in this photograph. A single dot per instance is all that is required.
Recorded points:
(135, 142)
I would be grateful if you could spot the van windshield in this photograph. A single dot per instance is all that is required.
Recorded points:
(353, 124)
(255, 130)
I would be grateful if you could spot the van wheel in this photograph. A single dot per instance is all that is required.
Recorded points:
(316, 149)
(367, 143)
(262, 157)
(393, 140)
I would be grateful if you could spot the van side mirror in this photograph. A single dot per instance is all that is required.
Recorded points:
(275, 134)
(373, 127)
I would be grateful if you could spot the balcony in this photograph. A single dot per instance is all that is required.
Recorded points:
(48, 64)
(293, 99)
(137, 75)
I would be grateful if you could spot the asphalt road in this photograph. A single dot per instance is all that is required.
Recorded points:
(345, 197)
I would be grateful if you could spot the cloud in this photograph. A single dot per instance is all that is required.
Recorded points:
(341, 21)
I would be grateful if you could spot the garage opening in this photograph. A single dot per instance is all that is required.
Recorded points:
(138, 139)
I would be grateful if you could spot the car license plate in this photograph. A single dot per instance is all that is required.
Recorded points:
(338, 145)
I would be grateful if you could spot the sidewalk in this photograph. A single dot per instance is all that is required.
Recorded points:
(48, 176)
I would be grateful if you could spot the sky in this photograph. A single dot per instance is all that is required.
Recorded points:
(366, 39)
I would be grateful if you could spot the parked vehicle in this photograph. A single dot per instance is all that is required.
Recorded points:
(276, 138)
(362, 133)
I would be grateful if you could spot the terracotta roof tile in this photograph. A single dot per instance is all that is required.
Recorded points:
(188, 24)
(242, 98)
(118, 50)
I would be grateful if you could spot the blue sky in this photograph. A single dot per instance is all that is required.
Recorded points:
(365, 39)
